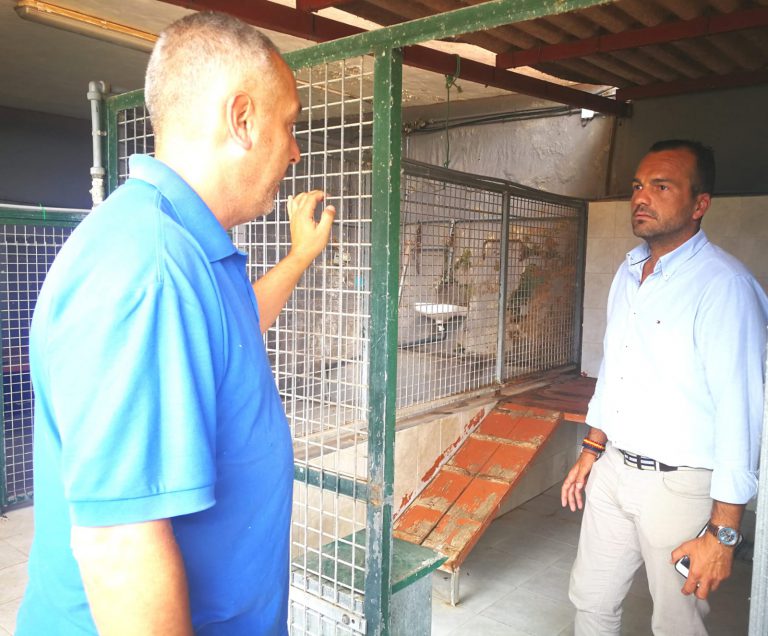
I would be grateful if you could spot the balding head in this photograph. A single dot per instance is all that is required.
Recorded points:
(198, 54)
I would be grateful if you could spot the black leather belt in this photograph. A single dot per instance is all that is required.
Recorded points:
(645, 463)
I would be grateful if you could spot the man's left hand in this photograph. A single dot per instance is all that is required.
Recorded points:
(711, 564)
(309, 237)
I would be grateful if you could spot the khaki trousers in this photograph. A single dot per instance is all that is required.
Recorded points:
(633, 516)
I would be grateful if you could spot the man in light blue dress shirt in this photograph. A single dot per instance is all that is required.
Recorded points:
(677, 410)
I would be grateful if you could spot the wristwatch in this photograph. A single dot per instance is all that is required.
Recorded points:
(729, 537)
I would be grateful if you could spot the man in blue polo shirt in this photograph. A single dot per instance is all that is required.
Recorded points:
(163, 460)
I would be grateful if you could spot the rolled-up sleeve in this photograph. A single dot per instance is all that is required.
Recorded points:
(730, 332)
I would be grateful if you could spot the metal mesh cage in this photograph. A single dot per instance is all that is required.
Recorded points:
(27, 249)
(470, 315)
(319, 344)
(455, 336)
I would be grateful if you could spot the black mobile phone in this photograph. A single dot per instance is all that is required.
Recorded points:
(683, 563)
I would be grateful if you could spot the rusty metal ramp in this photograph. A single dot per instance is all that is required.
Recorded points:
(452, 512)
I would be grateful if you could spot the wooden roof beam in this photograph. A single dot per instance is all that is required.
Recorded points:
(668, 32)
(269, 15)
(307, 6)
(712, 82)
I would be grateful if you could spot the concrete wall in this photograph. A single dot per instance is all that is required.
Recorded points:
(44, 159)
(571, 156)
(737, 224)
(733, 122)
(556, 154)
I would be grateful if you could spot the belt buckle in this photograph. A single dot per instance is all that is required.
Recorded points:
(641, 462)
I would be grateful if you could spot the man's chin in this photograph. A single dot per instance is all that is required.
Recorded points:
(641, 230)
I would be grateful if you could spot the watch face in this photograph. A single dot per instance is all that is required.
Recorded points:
(727, 536)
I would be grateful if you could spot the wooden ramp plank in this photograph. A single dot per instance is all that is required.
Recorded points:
(452, 512)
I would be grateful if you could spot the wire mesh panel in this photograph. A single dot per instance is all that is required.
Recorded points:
(135, 137)
(467, 245)
(129, 132)
(543, 299)
(319, 344)
(27, 249)
(448, 288)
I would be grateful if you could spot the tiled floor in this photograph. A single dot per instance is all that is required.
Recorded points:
(514, 583)
(15, 540)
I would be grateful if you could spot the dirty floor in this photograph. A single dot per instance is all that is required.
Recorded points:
(515, 581)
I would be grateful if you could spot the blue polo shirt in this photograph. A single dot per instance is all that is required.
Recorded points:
(154, 400)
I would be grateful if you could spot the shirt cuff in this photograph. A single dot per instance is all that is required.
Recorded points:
(125, 511)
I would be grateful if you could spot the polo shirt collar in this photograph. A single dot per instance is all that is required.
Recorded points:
(671, 262)
(190, 210)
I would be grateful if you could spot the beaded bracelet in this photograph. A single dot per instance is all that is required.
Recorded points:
(592, 446)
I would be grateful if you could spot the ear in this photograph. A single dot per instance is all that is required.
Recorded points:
(701, 206)
(240, 117)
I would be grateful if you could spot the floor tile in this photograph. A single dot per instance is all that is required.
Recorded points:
(22, 542)
(551, 583)
(446, 619)
(530, 613)
(16, 522)
(545, 551)
(475, 592)
(565, 563)
(13, 581)
(8, 613)
(488, 568)
(9, 555)
(484, 626)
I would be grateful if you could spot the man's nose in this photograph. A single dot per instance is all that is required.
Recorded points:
(639, 196)
(295, 155)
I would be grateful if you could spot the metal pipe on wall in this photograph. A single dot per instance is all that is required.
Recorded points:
(96, 92)
(503, 279)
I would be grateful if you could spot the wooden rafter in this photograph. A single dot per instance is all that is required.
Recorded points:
(667, 32)
(710, 82)
(315, 5)
(269, 15)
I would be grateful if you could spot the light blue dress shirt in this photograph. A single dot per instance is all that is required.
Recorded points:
(684, 364)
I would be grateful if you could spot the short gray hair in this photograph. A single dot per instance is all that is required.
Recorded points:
(193, 51)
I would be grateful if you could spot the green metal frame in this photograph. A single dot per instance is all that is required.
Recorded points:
(40, 217)
(114, 105)
(385, 262)
(37, 217)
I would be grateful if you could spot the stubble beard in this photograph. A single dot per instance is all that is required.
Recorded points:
(640, 228)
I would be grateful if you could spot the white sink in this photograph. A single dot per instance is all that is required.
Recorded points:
(440, 312)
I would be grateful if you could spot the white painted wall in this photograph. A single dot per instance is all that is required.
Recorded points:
(737, 224)
(556, 154)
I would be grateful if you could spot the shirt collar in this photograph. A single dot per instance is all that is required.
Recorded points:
(190, 210)
(671, 262)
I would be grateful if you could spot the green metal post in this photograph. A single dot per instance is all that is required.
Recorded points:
(3, 476)
(385, 242)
